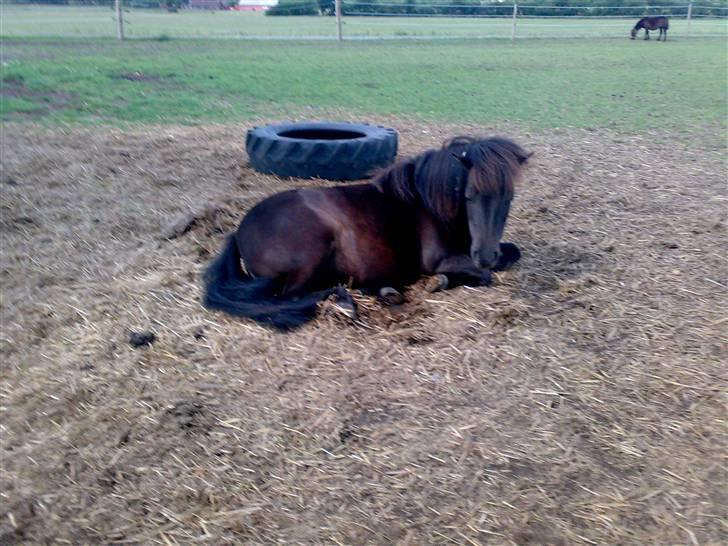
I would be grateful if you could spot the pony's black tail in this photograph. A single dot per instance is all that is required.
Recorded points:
(228, 288)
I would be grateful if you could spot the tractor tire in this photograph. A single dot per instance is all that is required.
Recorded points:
(334, 151)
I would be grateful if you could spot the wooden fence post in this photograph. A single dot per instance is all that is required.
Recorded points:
(337, 8)
(513, 25)
(119, 21)
(690, 15)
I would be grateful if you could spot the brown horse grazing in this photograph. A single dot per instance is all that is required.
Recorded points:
(660, 23)
(441, 213)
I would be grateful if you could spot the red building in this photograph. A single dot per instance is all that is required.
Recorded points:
(243, 5)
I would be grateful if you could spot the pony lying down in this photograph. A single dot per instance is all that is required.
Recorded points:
(441, 213)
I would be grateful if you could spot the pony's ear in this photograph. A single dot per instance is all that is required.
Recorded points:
(464, 159)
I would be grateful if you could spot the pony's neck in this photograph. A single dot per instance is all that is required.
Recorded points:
(414, 183)
(398, 182)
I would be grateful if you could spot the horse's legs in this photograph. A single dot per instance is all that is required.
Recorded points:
(344, 303)
(296, 281)
(647, 34)
(455, 271)
(510, 254)
(391, 296)
(458, 270)
(386, 294)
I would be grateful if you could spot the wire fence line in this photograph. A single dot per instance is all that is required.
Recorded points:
(522, 22)
(526, 18)
(364, 8)
(533, 13)
(410, 8)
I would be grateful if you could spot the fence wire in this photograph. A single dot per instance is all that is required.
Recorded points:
(479, 22)
(518, 21)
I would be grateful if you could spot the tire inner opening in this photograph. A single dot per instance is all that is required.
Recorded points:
(321, 134)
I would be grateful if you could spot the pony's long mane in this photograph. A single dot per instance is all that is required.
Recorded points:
(437, 178)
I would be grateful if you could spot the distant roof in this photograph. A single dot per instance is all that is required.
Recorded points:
(267, 3)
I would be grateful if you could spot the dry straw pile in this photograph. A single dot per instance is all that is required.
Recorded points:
(579, 400)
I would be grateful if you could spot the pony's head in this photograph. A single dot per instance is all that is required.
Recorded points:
(467, 184)
(636, 28)
(492, 165)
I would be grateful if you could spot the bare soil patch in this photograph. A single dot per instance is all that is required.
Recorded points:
(15, 87)
(576, 401)
(165, 80)
(139, 77)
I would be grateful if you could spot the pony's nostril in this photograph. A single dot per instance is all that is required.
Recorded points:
(492, 261)
(485, 259)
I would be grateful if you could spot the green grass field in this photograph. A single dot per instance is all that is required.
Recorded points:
(549, 83)
(546, 83)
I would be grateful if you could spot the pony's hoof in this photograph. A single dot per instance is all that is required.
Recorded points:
(510, 254)
(436, 283)
(346, 309)
(390, 296)
(344, 304)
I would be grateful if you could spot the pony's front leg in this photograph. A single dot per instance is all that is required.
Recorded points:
(456, 271)
(509, 255)
(647, 34)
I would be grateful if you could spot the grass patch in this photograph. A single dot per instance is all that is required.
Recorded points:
(11, 106)
(542, 83)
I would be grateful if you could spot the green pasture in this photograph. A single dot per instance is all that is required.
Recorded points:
(98, 22)
(545, 83)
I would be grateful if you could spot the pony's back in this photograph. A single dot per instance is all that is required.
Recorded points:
(653, 21)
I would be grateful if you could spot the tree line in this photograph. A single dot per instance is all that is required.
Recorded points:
(489, 8)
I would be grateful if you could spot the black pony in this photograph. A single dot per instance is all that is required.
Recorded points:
(659, 22)
(441, 213)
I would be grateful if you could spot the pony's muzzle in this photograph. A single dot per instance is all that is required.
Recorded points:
(485, 259)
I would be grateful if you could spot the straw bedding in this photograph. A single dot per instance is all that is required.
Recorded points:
(579, 400)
